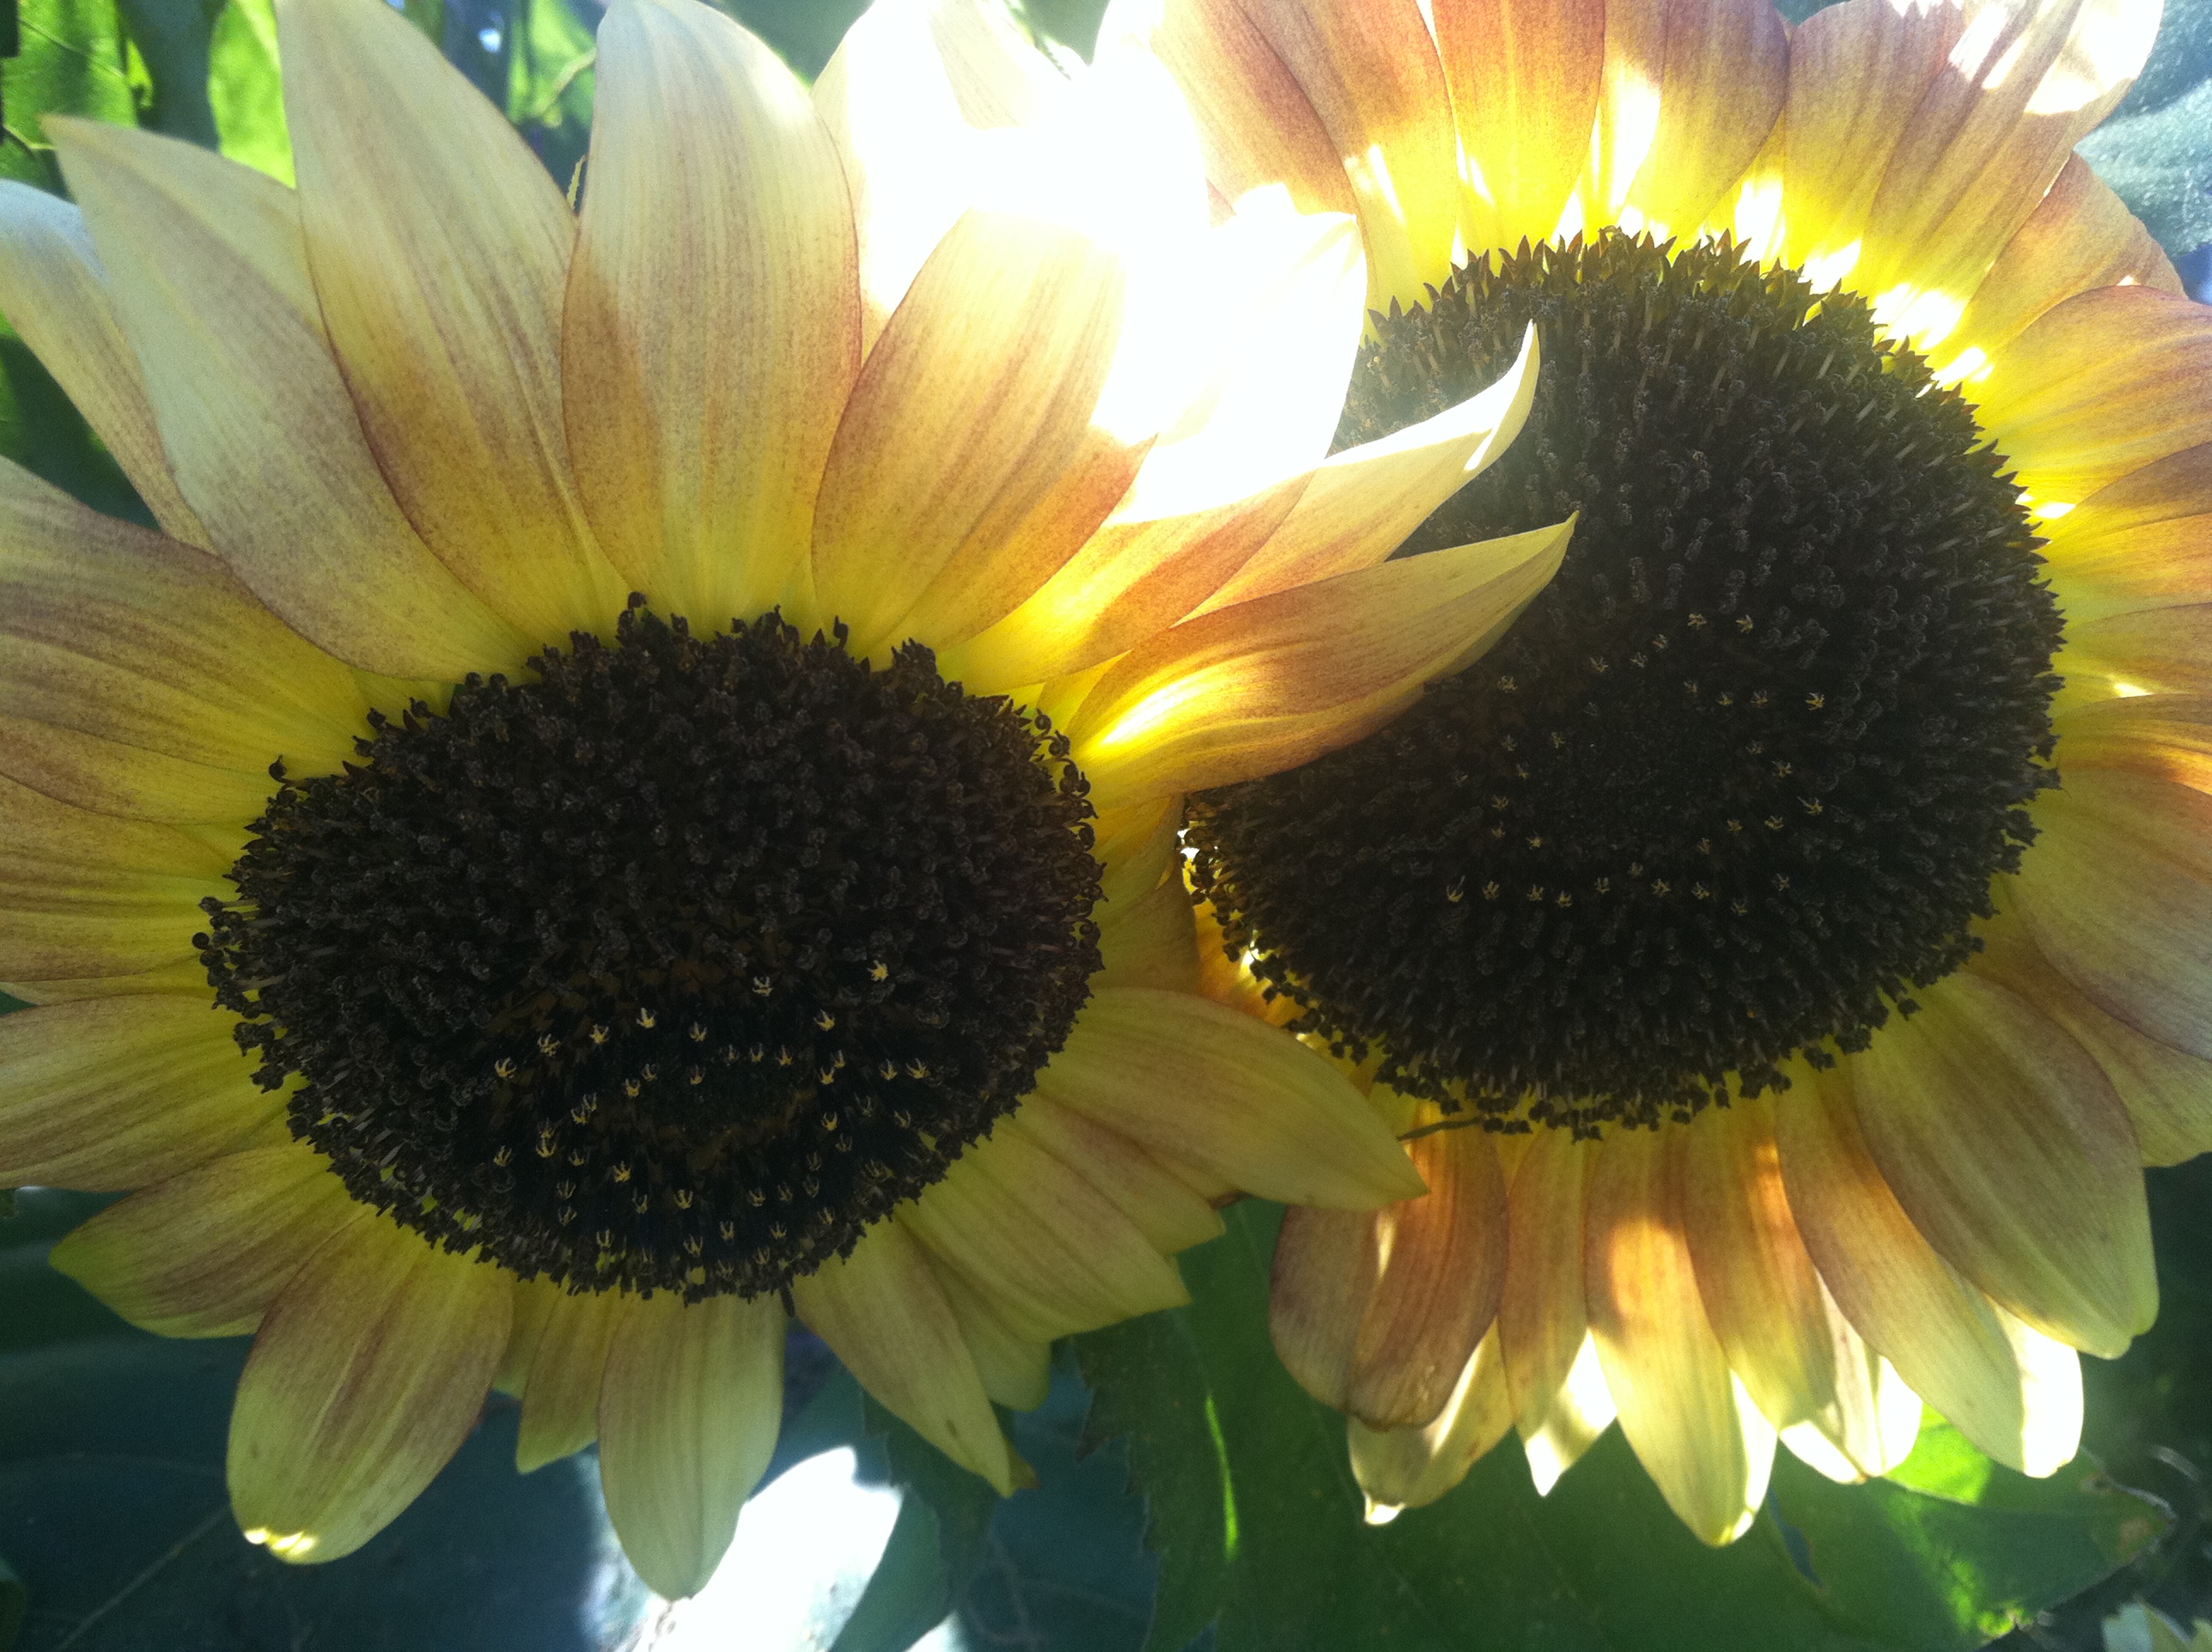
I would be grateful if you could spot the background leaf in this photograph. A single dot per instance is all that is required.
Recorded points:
(72, 63)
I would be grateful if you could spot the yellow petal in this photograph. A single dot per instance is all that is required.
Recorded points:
(1399, 1468)
(368, 1371)
(1151, 942)
(2021, 82)
(2142, 541)
(1960, 1351)
(1524, 77)
(1708, 84)
(1377, 1313)
(1135, 846)
(1196, 1083)
(1800, 1359)
(441, 249)
(883, 1312)
(2081, 235)
(116, 1093)
(968, 467)
(142, 679)
(206, 262)
(54, 295)
(1561, 1404)
(1171, 1215)
(1267, 684)
(1370, 73)
(2118, 892)
(1256, 126)
(566, 1360)
(88, 895)
(714, 313)
(1016, 1369)
(1286, 292)
(2003, 1142)
(1029, 1234)
(1359, 506)
(203, 1254)
(1694, 1428)
(2100, 386)
(688, 1413)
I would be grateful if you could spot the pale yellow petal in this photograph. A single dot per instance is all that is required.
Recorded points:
(54, 295)
(1399, 1468)
(1150, 942)
(712, 327)
(116, 1093)
(1162, 1203)
(208, 268)
(1264, 685)
(1561, 1402)
(440, 248)
(203, 1254)
(560, 1379)
(370, 1369)
(1196, 1083)
(688, 1413)
(2141, 541)
(883, 1312)
(1016, 1369)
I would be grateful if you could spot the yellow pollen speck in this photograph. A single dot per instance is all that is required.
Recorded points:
(879, 972)
(645, 1017)
(287, 1546)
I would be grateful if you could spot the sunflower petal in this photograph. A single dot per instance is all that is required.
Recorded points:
(2118, 895)
(1524, 77)
(206, 262)
(2142, 541)
(1196, 1083)
(1956, 1348)
(1039, 1243)
(1370, 73)
(2101, 384)
(688, 1413)
(712, 327)
(1016, 1369)
(1411, 1468)
(203, 1254)
(560, 1377)
(116, 1093)
(1377, 1313)
(1267, 684)
(1171, 1216)
(368, 1371)
(1708, 84)
(1560, 1403)
(1151, 942)
(1683, 1410)
(883, 1312)
(441, 251)
(54, 295)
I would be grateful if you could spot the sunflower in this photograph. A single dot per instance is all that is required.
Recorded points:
(635, 794)
(1812, 894)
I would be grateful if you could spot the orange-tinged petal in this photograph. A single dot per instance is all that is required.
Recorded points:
(969, 465)
(1696, 1431)
(1029, 1234)
(1560, 1404)
(1264, 685)
(208, 268)
(1524, 77)
(1257, 125)
(203, 1254)
(688, 1412)
(1708, 81)
(1198, 1084)
(2118, 893)
(2142, 541)
(2021, 83)
(440, 248)
(54, 295)
(712, 328)
(2081, 235)
(1800, 1359)
(2003, 1142)
(1377, 1313)
(2002, 1385)
(1135, 848)
(116, 1093)
(1370, 73)
(883, 1312)
(141, 678)
(1162, 1205)
(560, 1371)
(1359, 506)
(370, 1369)
(1400, 1468)
(2102, 385)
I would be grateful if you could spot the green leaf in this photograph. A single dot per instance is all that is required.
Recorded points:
(15, 1600)
(173, 37)
(42, 432)
(1257, 1521)
(934, 1548)
(246, 90)
(550, 82)
(72, 63)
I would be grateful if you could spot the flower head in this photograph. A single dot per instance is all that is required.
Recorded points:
(1810, 892)
(635, 792)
